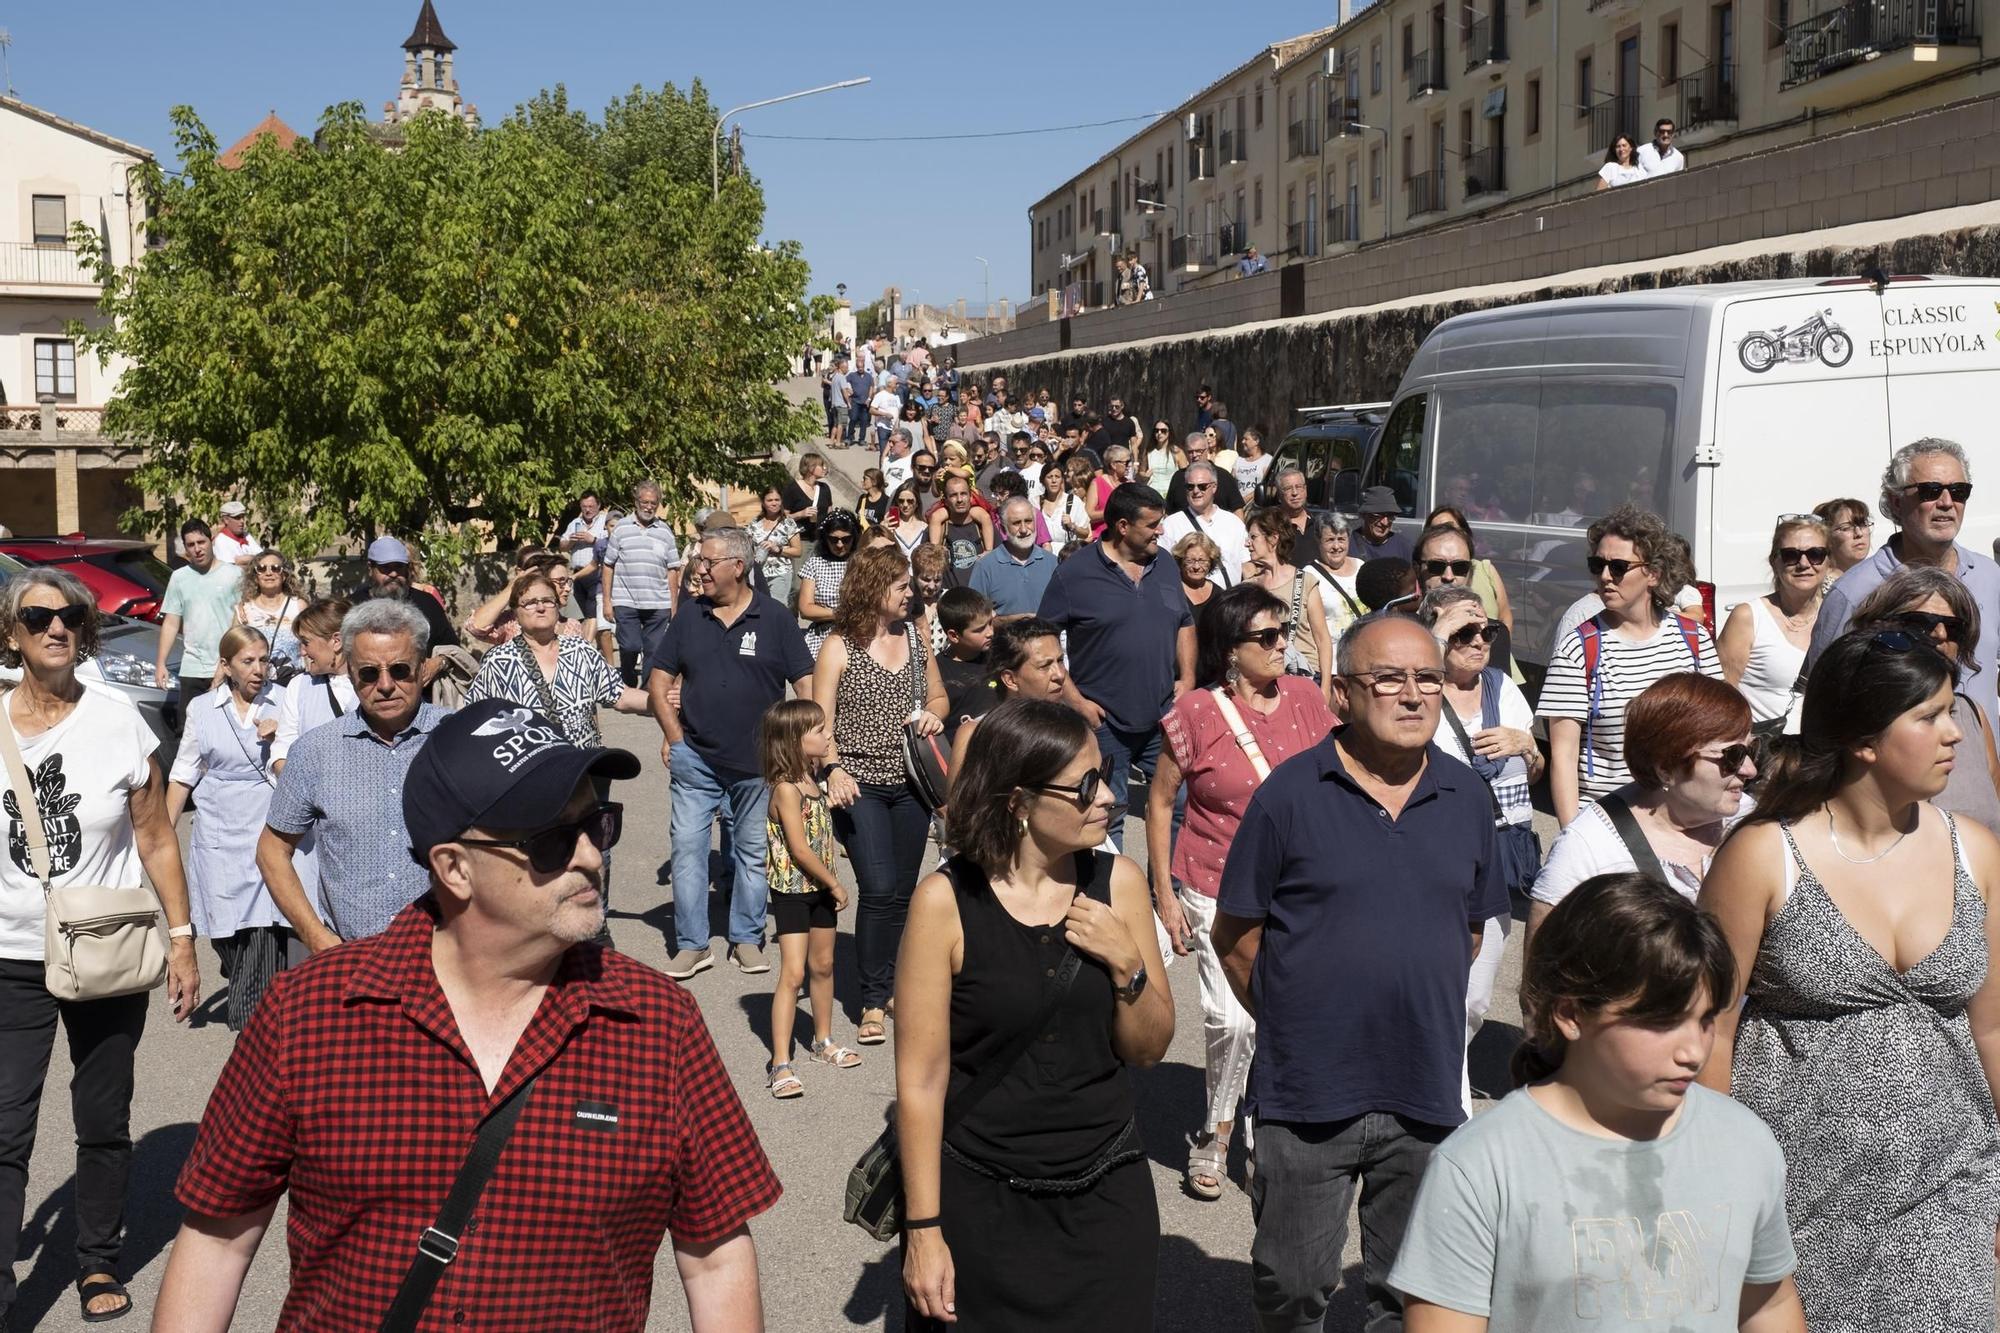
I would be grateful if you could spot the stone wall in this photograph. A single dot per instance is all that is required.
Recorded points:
(1266, 374)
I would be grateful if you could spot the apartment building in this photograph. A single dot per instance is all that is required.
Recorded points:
(1416, 113)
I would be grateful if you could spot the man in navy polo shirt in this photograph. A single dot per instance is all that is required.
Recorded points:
(730, 658)
(1351, 909)
(1130, 635)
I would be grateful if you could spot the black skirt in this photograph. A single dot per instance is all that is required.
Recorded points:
(1041, 1262)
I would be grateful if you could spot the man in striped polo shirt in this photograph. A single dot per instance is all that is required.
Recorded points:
(639, 579)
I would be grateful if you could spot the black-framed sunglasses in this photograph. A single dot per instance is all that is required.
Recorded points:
(1928, 623)
(1730, 761)
(396, 568)
(270, 569)
(1597, 564)
(1904, 641)
(1811, 555)
(1085, 791)
(1438, 568)
(400, 672)
(1463, 636)
(551, 849)
(37, 619)
(1930, 491)
(1267, 639)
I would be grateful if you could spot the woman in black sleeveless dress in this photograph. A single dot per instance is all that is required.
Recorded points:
(1029, 977)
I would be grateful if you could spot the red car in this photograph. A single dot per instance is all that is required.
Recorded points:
(127, 578)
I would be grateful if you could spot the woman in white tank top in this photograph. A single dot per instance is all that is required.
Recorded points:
(1763, 643)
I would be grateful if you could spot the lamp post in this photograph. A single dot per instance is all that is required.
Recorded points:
(1189, 262)
(1388, 204)
(986, 286)
(715, 140)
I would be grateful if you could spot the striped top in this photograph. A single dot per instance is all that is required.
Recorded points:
(1625, 669)
(643, 554)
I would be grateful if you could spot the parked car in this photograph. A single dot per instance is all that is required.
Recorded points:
(123, 666)
(127, 577)
(1327, 445)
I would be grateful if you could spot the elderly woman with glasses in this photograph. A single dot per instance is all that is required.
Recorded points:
(86, 775)
(1763, 642)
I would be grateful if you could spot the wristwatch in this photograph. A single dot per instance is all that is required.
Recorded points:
(1136, 987)
(181, 932)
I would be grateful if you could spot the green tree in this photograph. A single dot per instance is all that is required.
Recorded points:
(448, 339)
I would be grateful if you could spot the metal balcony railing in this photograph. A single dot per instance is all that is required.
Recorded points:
(1854, 30)
(1200, 159)
(1229, 153)
(1612, 117)
(1426, 192)
(1295, 140)
(1302, 238)
(1708, 97)
(1486, 171)
(1198, 250)
(1486, 41)
(47, 265)
(1426, 73)
(1231, 238)
(1341, 227)
(1341, 114)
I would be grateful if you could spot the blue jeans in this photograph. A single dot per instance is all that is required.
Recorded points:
(639, 634)
(857, 422)
(1126, 751)
(698, 796)
(883, 832)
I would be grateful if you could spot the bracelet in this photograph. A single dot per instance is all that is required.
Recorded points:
(922, 1223)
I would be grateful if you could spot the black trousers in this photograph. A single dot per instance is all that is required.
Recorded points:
(103, 1034)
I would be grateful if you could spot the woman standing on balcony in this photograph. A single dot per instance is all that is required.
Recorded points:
(1621, 164)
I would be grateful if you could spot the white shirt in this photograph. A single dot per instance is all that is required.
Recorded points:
(885, 405)
(1614, 174)
(303, 705)
(585, 555)
(231, 550)
(84, 771)
(1221, 527)
(1591, 846)
(1654, 163)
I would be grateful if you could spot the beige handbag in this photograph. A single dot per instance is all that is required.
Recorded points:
(98, 940)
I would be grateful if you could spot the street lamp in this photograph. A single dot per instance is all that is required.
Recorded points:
(986, 285)
(715, 141)
(1190, 261)
(1388, 208)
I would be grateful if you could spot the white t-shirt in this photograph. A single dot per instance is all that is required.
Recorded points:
(230, 550)
(1250, 472)
(1613, 174)
(84, 771)
(1511, 787)
(885, 405)
(1653, 164)
(1591, 846)
(1221, 527)
(303, 704)
(585, 555)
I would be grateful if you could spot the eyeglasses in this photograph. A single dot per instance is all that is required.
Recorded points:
(1858, 525)
(1388, 684)
(711, 561)
(1463, 636)
(400, 672)
(37, 619)
(537, 604)
(1792, 555)
(1928, 623)
(1730, 760)
(1597, 564)
(1267, 639)
(1085, 792)
(1439, 568)
(1929, 492)
(551, 849)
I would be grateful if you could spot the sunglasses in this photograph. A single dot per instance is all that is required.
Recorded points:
(400, 672)
(1928, 623)
(1267, 639)
(1900, 641)
(1930, 491)
(1463, 636)
(1196, 487)
(1438, 568)
(1597, 564)
(1730, 761)
(1162, 430)
(1085, 792)
(396, 568)
(270, 569)
(1792, 555)
(37, 619)
(551, 849)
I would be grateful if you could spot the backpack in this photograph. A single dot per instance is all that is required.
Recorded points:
(1591, 634)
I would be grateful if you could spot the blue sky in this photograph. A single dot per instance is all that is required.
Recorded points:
(868, 214)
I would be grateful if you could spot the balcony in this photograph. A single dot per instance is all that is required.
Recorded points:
(1231, 238)
(35, 270)
(1707, 97)
(1230, 153)
(1342, 113)
(1295, 140)
(1200, 160)
(1191, 254)
(1426, 190)
(1612, 8)
(1486, 42)
(1342, 227)
(1612, 117)
(1302, 238)
(1426, 74)
(66, 421)
(1876, 46)
(1486, 172)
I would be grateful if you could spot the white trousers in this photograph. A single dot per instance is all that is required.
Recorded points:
(1230, 1031)
(1479, 993)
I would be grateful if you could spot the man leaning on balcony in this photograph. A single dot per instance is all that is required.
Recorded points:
(1659, 157)
(1252, 262)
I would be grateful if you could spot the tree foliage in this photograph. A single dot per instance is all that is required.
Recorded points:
(450, 337)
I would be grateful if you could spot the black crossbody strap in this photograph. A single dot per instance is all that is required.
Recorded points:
(1465, 743)
(1644, 859)
(438, 1246)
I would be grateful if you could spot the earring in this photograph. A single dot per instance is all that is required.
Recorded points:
(1232, 675)
(1024, 826)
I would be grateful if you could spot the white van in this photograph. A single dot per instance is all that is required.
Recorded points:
(1718, 407)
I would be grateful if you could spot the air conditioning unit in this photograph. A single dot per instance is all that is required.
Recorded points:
(1193, 126)
(1332, 63)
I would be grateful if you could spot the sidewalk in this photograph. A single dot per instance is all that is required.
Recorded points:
(843, 465)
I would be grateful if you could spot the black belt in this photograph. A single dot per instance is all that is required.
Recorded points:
(1125, 1148)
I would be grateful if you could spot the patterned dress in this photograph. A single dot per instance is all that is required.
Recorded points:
(584, 682)
(780, 872)
(1870, 1081)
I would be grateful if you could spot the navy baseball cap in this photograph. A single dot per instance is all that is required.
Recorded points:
(497, 765)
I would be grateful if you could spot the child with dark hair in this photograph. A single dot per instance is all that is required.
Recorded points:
(966, 617)
(1387, 583)
(1610, 1190)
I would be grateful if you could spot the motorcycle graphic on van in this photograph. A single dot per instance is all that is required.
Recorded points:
(1818, 337)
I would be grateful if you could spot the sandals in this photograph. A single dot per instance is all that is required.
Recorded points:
(1208, 1165)
(826, 1053)
(106, 1284)
(783, 1083)
(870, 1031)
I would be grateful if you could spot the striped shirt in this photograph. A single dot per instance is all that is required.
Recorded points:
(642, 554)
(1624, 670)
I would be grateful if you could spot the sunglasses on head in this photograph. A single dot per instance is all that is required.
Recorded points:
(1930, 491)
(1597, 564)
(1730, 761)
(1792, 555)
(1928, 623)
(1085, 792)
(1438, 568)
(37, 619)
(1267, 639)
(1463, 636)
(400, 672)
(551, 849)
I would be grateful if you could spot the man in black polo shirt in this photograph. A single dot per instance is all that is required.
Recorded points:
(389, 576)
(1351, 909)
(1131, 635)
(731, 660)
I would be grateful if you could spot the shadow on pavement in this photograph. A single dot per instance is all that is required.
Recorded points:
(1488, 1057)
(48, 1239)
(877, 1298)
(1170, 1100)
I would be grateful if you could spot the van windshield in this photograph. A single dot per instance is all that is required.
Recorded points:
(1554, 453)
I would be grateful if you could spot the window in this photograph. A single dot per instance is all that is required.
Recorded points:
(1464, 134)
(1375, 66)
(1260, 106)
(1409, 155)
(1486, 445)
(1238, 216)
(1375, 175)
(1400, 455)
(1409, 46)
(1533, 109)
(1599, 444)
(1585, 88)
(1242, 148)
(51, 219)
(1257, 203)
(1291, 204)
(55, 368)
(1781, 18)
(1670, 53)
(437, 73)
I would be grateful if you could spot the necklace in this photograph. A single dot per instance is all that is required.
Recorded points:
(1834, 834)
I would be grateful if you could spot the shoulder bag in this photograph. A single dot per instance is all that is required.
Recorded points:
(926, 763)
(1644, 859)
(1295, 622)
(1520, 849)
(98, 940)
(1234, 720)
(875, 1184)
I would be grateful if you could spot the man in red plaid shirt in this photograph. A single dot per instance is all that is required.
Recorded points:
(366, 1073)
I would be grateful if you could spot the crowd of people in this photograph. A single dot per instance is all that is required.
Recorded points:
(1769, 889)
